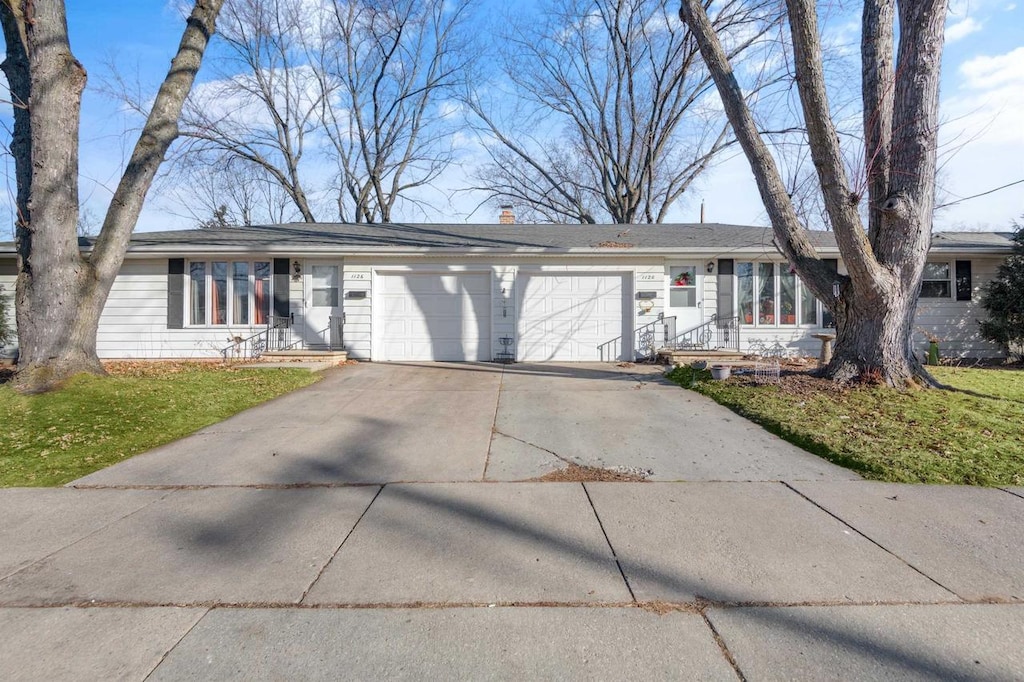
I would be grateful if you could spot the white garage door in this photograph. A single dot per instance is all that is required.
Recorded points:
(567, 316)
(440, 316)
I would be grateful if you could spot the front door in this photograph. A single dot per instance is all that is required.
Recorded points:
(684, 300)
(321, 304)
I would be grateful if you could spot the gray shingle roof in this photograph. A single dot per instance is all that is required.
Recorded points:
(712, 238)
(451, 238)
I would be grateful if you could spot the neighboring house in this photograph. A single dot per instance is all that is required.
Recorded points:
(485, 292)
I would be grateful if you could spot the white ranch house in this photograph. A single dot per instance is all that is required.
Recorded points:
(496, 292)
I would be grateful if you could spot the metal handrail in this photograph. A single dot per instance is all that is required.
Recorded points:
(334, 322)
(718, 333)
(645, 339)
(272, 337)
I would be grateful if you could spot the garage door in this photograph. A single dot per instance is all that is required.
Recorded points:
(567, 316)
(441, 316)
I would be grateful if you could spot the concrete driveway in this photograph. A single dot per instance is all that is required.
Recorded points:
(358, 529)
(404, 422)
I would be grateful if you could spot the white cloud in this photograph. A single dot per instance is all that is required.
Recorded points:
(962, 29)
(982, 141)
(987, 73)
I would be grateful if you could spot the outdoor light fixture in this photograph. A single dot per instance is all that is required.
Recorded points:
(296, 270)
(710, 267)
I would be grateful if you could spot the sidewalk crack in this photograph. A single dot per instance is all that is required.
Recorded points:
(534, 445)
(338, 549)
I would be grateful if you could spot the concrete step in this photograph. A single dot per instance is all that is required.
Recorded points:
(307, 355)
(684, 356)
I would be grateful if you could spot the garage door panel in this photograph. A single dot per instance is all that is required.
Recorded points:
(566, 317)
(432, 316)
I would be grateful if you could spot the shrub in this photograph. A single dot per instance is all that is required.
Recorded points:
(1003, 300)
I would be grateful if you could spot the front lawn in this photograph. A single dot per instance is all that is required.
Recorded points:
(972, 435)
(94, 422)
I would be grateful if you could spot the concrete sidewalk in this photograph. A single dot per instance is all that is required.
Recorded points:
(511, 580)
(383, 523)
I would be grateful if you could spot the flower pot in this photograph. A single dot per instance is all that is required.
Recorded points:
(720, 372)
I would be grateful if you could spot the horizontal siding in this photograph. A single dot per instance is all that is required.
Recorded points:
(8, 275)
(133, 324)
(955, 323)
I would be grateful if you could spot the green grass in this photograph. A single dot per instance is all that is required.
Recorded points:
(971, 435)
(94, 422)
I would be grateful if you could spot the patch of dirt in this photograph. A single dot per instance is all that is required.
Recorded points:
(574, 473)
(798, 383)
(159, 368)
(663, 608)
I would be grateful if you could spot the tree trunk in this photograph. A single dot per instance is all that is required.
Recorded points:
(873, 340)
(878, 298)
(60, 294)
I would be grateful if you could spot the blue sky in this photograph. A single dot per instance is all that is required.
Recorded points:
(982, 106)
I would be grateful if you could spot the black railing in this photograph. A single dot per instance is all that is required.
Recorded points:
(647, 339)
(718, 333)
(277, 335)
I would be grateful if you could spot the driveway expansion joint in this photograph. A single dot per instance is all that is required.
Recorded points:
(608, 540)
(494, 425)
(723, 647)
(875, 542)
(174, 646)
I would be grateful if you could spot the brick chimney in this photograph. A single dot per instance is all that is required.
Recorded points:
(507, 217)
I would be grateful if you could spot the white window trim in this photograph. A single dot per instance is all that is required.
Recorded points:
(950, 281)
(777, 284)
(208, 278)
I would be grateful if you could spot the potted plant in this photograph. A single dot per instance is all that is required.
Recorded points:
(788, 316)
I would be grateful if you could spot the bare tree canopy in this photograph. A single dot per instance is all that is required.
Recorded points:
(341, 104)
(874, 305)
(612, 119)
(60, 293)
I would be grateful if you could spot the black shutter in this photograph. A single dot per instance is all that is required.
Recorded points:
(281, 287)
(176, 293)
(963, 280)
(726, 297)
(827, 318)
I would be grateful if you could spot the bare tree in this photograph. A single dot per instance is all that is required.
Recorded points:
(267, 100)
(363, 84)
(223, 190)
(389, 66)
(875, 304)
(613, 122)
(60, 293)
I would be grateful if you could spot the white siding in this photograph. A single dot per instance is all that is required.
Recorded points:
(8, 275)
(955, 322)
(134, 322)
(358, 318)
